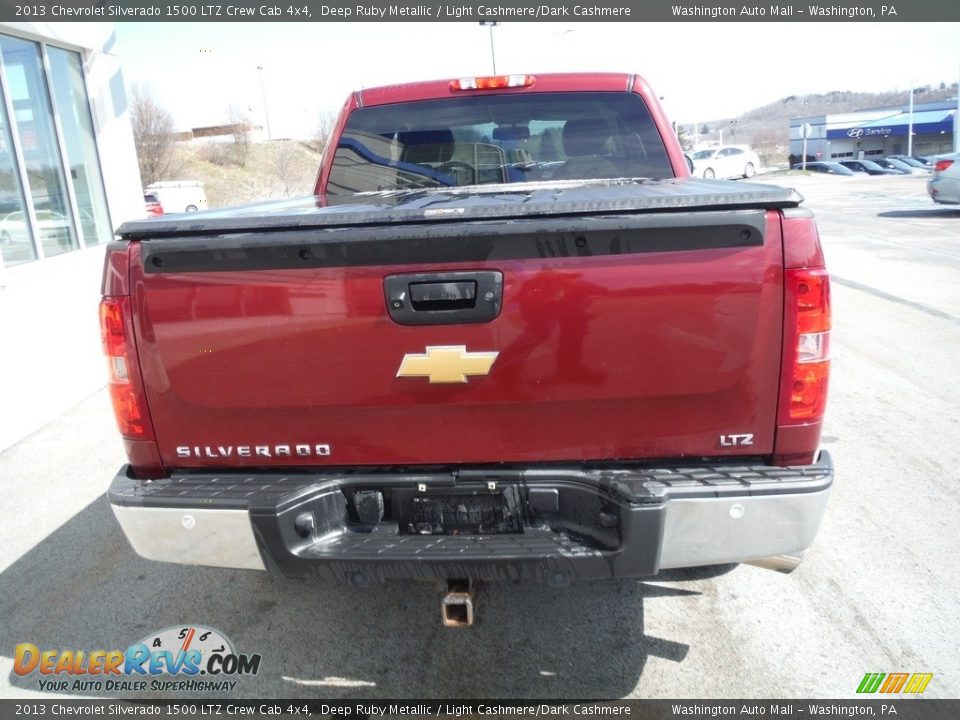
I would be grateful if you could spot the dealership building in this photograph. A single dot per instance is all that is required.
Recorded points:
(68, 178)
(879, 132)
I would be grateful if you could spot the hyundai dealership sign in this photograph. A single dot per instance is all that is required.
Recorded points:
(896, 128)
(867, 132)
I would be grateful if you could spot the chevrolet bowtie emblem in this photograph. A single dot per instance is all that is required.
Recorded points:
(447, 364)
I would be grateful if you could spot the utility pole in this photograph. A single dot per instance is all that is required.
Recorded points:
(263, 94)
(493, 55)
(805, 132)
(956, 123)
(910, 124)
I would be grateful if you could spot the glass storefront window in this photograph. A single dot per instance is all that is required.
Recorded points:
(73, 109)
(33, 120)
(16, 241)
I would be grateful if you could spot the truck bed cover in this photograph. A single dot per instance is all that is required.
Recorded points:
(482, 202)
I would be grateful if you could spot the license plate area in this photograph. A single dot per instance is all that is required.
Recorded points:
(479, 512)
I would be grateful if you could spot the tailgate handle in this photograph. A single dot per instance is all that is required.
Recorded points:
(444, 298)
(443, 295)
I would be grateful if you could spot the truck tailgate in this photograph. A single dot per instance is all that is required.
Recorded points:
(630, 335)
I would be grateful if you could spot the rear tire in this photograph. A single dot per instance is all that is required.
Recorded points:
(749, 171)
(709, 174)
(191, 208)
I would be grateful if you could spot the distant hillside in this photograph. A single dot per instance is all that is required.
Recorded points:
(766, 128)
(262, 171)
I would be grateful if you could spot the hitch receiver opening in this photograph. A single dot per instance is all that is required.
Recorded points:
(456, 604)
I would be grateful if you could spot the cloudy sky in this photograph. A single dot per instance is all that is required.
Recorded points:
(702, 70)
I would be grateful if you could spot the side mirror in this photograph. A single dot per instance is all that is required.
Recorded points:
(689, 163)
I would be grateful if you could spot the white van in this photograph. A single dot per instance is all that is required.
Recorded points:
(179, 196)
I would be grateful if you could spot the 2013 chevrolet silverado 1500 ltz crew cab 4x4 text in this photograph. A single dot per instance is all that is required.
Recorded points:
(509, 337)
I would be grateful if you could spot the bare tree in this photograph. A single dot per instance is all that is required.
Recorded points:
(153, 135)
(284, 166)
(240, 128)
(217, 153)
(325, 123)
(771, 145)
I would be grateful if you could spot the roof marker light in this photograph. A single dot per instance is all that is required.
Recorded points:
(496, 82)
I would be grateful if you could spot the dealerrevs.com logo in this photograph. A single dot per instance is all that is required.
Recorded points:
(186, 658)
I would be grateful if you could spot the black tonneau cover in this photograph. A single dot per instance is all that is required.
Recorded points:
(485, 202)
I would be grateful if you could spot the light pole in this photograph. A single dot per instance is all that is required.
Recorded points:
(493, 55)
(673, 123)
(956, 124)
(910, 124)
(263, 94)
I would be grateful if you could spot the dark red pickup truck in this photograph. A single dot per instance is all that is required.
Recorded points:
(509, 337)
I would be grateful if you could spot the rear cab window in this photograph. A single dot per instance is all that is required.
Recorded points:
(494, 139)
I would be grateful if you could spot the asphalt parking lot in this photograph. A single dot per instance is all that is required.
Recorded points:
(878, 592)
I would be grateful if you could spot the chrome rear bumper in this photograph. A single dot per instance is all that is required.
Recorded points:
(214, 537)
(607, 523)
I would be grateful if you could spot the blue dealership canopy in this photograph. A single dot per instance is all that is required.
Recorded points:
(926, 122)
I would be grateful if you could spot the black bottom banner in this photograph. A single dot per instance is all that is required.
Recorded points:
(899, 708)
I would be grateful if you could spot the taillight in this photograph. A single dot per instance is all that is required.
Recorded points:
(805, 365)
(123, 375)
(808, 291)
(497, 82)
(942, 165)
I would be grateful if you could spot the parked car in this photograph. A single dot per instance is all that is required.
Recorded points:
(826, 166)
(13, 227)
(894, 164)
(177, 196)
(728, 161)
(866, 166)
(51, 225)
(153, 205)
(944, 186)
(912, 162)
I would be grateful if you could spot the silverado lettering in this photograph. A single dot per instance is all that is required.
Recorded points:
(225, 451)
(512, 311)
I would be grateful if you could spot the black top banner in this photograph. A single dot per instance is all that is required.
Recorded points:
(483, 11)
